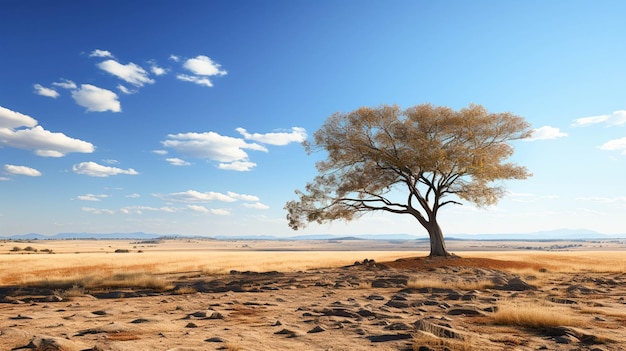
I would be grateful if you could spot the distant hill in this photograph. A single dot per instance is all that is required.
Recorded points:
(95, 236)
(559, 234)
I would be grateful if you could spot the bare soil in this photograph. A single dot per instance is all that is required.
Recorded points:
(365, 306)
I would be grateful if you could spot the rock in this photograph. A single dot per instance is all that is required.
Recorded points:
(366, 313)
(50, 343)
(397, 326)
(288, 333)
(20, 317)
(99, 313)
(425, 348)
(214, 339)
(139, 320)
(376, 297)
(216, 315)
(339, 312)
(393, 282)
(578, 334)
(389, 337)
(397, 304)
(317, 329)
(438, 330)
(199, 314)
(516, 284)
(466, 311)
(580, 289)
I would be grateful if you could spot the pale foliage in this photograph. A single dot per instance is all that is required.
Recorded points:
(435, 155)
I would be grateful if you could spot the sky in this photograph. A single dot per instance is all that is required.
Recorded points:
(187, 117)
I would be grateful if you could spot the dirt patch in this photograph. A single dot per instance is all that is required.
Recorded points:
(426, 263)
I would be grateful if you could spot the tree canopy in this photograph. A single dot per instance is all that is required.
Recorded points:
(435, 155)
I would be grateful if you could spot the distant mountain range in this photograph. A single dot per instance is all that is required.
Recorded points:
(559, 234)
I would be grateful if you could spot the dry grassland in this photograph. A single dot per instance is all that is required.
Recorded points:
(206, 295)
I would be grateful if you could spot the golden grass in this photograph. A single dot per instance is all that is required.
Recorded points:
(115, 281)
(440, 343)
(537, 314)
(419, 283)
(90, 268)
(563, 262)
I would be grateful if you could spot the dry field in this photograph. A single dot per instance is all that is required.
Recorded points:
(265, 295)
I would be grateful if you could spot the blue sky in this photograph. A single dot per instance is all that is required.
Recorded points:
(187, 116)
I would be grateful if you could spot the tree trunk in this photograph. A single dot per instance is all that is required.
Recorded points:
(437, 244)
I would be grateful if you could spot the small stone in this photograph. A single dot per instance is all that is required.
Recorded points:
(287, 332)
(191, 325)
(214, 339)
(216, 315)
(317, 329)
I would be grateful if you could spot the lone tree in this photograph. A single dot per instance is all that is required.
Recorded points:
(435, 156)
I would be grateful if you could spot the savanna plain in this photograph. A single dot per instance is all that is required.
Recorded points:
(201, 294)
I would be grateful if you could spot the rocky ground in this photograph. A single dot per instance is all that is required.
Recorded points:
(366, 306)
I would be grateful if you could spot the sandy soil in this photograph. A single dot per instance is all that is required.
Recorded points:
(364, 306)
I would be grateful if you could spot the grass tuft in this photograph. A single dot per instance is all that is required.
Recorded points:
(533, 315)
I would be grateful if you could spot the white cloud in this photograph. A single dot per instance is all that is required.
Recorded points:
(616, 118)
(239, 166)
(96, 170)
(96, 99)
(65, 84)
(91, 197)
(258, 206)
(43, 91)
(198, 208)
(125, 90)
(111, 162)
(141, 209)
(133, 196)
(22, 170)
(220, 212)
(100, 53)
(174, 161)
(160, 152)
(130, 73)
(615, 145)
(204, 210)
(45, 143)
(156, 70)
(196, 196)
(243, 197)
(174, 58)
(203, 66)
(11, 119)
(546, 133)
(297, 135)
(211, 145)
(97, 210)
(195, 79)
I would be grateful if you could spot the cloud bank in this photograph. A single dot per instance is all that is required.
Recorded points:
(616, 118)
(22, 170)
(34, 137)
(230, 152)
(96, 170)
(546, 133)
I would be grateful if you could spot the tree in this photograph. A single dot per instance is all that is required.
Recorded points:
(435, 156)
